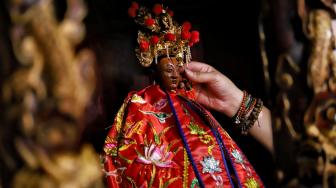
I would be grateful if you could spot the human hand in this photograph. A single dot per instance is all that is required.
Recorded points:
(213, 89)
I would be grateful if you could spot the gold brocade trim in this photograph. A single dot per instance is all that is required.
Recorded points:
(185, 169)
(120, 116)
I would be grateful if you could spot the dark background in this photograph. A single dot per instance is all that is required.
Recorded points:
(229, 42)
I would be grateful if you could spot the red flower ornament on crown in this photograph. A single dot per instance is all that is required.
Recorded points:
(144, 46)
(157, 9)
(194, 37)
(155, 39)
(135, 5)
(170, 12)
(149, 22)
(160, 35)
(186, 26)
(132, 11)
(170, 37)
(185, 35)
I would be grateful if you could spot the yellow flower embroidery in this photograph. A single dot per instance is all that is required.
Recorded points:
(202, 135)
(251, 183)
(195, 129)
(134, 128)
(206, 139)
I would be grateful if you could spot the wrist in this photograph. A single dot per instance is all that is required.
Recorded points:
(232, 103)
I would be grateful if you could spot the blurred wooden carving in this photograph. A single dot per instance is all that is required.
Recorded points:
(289, 100)
(286, 70)
(322, 62)
(319, 119)
(47, 96)
(306, 98)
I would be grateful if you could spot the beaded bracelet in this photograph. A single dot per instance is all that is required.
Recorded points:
(245, 107)
(250, 106)
(248, 103)
(248, 122)
(239, 115)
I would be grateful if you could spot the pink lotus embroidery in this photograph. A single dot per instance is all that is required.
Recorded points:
(157, 156)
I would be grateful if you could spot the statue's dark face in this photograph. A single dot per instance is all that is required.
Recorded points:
(169, 73)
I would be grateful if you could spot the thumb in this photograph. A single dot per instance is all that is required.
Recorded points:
(199, 77)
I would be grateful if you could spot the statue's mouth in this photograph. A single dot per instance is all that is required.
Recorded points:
(174, 83)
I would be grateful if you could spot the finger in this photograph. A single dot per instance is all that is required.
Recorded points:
(203, 99)
(199, 77)
(199, 67)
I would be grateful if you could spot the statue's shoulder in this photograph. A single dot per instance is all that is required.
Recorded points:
(148, 94)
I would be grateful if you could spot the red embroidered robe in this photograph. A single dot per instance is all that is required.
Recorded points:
(163, 139)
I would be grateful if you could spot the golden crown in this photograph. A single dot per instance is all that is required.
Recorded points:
(161, 35)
